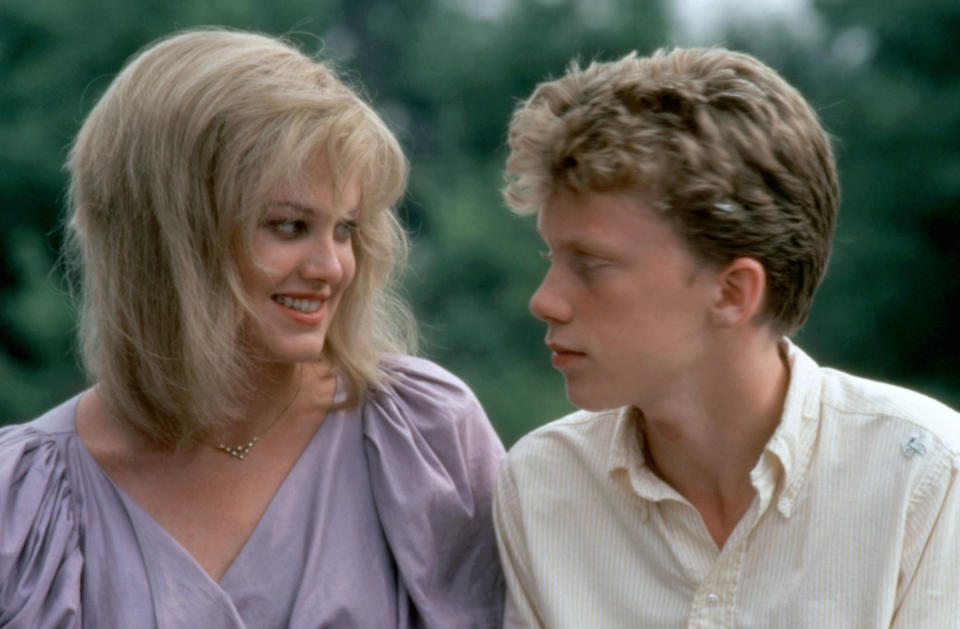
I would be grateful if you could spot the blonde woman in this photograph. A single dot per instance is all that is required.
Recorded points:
(258, 449)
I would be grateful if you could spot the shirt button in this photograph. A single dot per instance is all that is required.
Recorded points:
(712, 599)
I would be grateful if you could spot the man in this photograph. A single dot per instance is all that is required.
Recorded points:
(716, 476)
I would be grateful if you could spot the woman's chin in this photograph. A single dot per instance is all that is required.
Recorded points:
(300, 353)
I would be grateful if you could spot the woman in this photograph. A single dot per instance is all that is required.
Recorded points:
(257, 449)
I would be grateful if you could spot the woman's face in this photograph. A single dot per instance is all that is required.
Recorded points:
(303, 262)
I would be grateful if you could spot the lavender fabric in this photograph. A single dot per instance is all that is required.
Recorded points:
(384, 521)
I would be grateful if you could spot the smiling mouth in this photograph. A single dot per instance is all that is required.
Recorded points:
(307, 306)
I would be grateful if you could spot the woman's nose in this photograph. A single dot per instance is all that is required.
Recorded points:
(323, 263)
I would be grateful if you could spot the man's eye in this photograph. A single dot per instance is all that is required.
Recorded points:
(585, 264)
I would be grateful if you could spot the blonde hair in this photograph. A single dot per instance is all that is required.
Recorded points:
(717, 143)
(169, 176)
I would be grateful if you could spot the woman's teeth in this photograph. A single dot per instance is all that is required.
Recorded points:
(300, 305)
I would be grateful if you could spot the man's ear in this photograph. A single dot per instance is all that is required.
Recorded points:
(741, 289)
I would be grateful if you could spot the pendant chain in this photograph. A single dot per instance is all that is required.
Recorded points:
(240, 451)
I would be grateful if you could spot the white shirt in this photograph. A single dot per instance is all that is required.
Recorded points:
(855, 523)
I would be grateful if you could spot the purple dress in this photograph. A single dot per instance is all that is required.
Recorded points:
(384, 521)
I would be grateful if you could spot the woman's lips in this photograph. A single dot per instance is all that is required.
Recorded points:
(303, 309)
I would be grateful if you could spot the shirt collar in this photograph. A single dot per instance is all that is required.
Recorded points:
(626, 446)
(783, 465)
(792, 441)
(626, 460)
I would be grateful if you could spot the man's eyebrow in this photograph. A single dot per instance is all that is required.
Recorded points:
(585, 244)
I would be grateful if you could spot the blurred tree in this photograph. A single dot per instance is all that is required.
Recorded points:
(476, 265)
(55, 60)
(886, 79)
(446, 75)
(896, 68)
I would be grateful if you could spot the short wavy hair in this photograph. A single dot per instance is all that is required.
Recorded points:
(713, 141)
(169, 176)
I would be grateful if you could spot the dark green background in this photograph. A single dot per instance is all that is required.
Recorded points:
(884, 75)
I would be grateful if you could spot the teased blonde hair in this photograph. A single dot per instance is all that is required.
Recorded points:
(168, 177)
(716, 142)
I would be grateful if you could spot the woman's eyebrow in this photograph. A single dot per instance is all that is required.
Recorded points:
(299, 207)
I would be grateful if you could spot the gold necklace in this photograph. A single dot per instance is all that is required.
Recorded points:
(242, 450)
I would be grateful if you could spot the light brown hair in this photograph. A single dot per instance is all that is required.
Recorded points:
(169, 175)
(714, 141)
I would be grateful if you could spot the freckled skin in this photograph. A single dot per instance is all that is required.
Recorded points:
(304, 248)
(623, 291)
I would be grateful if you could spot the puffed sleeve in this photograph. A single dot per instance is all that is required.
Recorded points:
(433, 458)
(40, 558)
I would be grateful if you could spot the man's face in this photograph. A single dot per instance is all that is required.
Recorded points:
(626, 304)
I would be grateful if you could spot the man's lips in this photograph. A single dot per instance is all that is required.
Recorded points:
(563, 355)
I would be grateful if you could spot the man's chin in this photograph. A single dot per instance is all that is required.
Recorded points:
(588, 400)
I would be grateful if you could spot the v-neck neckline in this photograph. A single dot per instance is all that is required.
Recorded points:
(145, 522)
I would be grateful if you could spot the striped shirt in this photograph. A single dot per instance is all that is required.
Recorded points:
(855, 522)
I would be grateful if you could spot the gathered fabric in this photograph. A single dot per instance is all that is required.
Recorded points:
(384, 521)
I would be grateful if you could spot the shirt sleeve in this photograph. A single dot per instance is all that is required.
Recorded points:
(40, 558)
(520, 610)
(433, 458)
(929, 586)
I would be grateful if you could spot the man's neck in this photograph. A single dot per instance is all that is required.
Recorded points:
(705, 443)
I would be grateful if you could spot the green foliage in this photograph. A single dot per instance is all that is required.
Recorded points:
(42, 324)
(476, 265)
(446, 79)
(55, 60)
(884, 76)
(886, 79)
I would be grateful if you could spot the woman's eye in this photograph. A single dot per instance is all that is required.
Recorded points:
(287, 227)
(344, 230)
